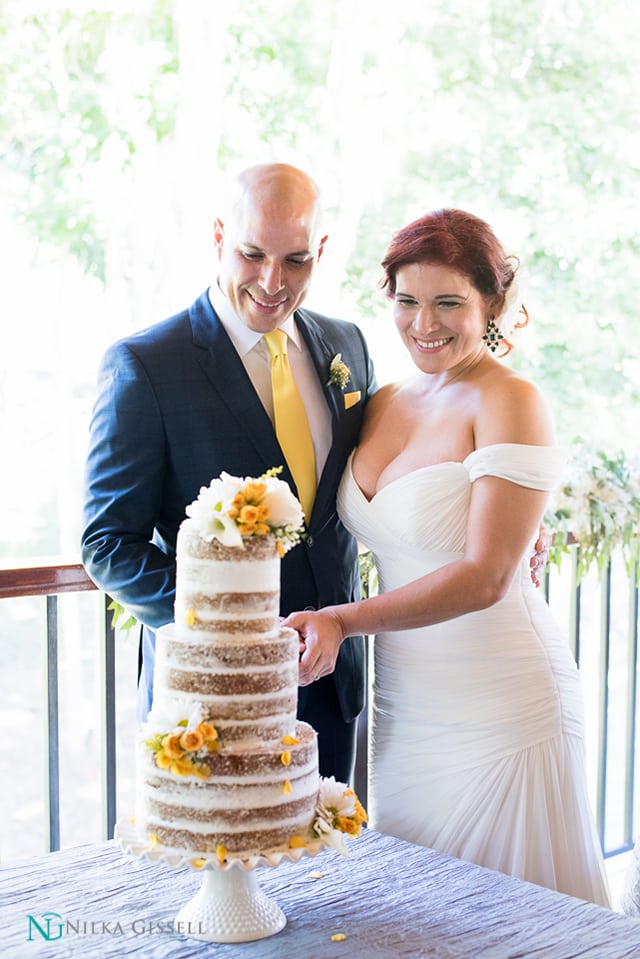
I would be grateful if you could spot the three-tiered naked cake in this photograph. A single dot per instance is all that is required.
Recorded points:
(224, 768)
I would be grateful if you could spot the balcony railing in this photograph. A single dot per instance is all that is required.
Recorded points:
(613, 639)
(616, 631)
(50, 582)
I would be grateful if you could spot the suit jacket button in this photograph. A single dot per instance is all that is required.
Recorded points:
(309, 541)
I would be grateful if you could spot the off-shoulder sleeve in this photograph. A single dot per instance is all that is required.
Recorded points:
(536, 467)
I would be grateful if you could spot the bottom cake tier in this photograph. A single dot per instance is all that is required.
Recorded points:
(243, 802)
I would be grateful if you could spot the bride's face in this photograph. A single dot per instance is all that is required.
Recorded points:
(440, 316)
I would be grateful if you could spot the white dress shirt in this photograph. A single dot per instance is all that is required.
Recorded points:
(256, 359)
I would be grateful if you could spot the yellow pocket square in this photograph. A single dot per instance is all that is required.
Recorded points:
(350, 399)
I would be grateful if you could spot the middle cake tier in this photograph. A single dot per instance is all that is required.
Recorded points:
(247, 685)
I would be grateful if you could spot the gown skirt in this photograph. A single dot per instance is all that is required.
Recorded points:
(477, 737)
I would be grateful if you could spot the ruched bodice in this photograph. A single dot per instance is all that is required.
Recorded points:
(477, 729)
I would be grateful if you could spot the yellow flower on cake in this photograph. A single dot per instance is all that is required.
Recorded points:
(182, 767)
(249, 515)
(208, 732)
(171, 746)
(253, 491)
(350, 826)
(191, 740)
(163, 761)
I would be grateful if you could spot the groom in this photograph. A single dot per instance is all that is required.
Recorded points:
(184, 400)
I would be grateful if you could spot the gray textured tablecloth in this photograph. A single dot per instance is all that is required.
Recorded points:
(389, 899)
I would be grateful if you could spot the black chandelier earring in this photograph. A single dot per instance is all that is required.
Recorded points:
(493, 335)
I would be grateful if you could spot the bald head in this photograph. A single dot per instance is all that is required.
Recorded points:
(280, 188)
(269, 243)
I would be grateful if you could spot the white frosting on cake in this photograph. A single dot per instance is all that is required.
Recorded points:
(240, 576)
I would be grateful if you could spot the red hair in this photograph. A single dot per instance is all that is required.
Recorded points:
(457, 240)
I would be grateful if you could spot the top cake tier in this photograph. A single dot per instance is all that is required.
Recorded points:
(226, 590)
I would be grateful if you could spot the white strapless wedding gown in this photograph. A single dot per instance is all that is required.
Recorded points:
(477, 733)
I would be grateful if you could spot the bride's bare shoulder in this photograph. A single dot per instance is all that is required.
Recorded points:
(514, 410)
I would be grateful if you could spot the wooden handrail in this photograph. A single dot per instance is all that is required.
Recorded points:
(44, 580)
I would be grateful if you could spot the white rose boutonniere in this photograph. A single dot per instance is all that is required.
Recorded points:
(339, 372)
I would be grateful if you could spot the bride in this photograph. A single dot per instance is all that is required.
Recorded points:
(477, 734)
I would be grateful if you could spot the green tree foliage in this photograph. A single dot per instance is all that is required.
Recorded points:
(116, 118)
(62, 94)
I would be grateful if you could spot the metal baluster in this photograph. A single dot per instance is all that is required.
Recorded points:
(574, 608)
(52, 770)
(603, 699)
(108, 720)
(632, 701)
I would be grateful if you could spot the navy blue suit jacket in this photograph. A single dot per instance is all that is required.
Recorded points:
(175, 408)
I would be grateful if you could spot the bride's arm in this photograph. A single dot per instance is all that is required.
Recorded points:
(503, 520)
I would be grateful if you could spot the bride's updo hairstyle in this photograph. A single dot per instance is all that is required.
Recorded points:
(462, 242)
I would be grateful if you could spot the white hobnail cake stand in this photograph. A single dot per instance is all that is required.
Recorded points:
(230, 906)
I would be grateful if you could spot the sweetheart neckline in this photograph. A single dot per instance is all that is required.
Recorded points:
(431, 466)
(392, 482)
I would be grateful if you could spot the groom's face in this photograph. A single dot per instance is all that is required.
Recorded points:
(268, 249)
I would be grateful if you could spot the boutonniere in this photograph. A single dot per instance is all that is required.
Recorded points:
(339, 372)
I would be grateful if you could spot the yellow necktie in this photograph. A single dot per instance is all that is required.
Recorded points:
(292, 425)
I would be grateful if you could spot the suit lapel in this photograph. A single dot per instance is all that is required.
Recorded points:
(228, 378)
(322, 352)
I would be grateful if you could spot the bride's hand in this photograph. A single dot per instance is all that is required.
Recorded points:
(320, 639)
